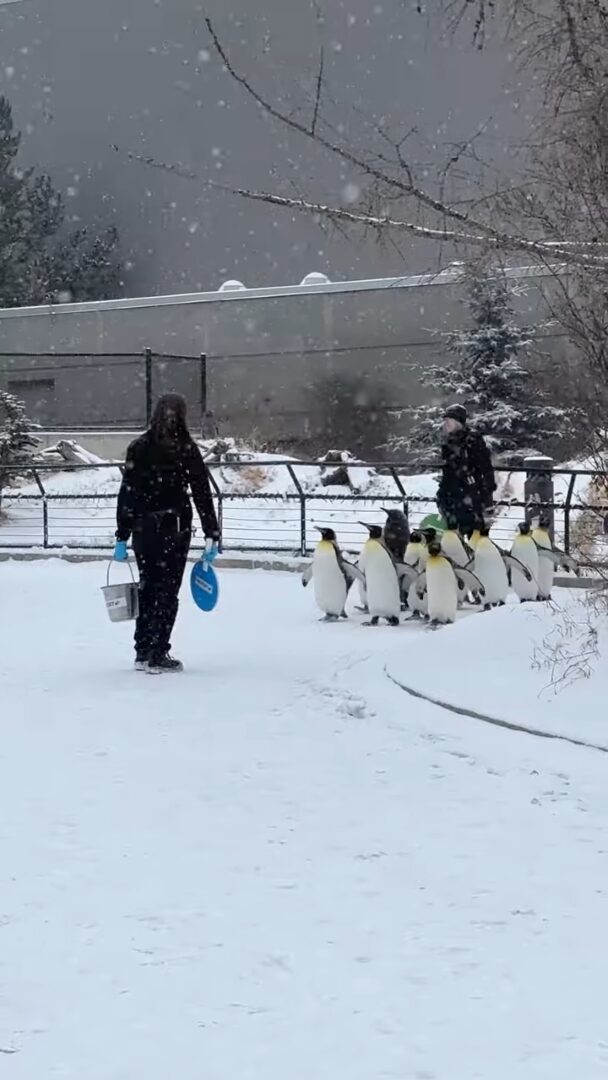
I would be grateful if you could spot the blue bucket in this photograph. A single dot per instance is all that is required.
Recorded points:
(204, 586)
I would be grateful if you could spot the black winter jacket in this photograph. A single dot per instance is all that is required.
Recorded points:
(467, 484)
(156, 481)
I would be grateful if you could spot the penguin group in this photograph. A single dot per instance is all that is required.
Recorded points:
(429, 573)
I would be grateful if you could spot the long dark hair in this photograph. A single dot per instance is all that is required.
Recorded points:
(175, 433)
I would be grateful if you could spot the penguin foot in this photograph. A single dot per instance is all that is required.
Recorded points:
(363, 610)
(329, 618)
(393, 621)
(372, 622)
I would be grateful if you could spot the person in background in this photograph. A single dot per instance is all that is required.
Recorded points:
(154, 509)
(466, 489)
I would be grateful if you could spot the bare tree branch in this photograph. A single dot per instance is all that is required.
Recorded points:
(569, 253)
(315, 116)
(406, 185)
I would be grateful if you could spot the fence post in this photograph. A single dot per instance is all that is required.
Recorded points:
(567, 508)
(220, 506)
(45, 509)
(539, 490)
(203, 392)
(397, 479)
(148, 386)
(302, 495)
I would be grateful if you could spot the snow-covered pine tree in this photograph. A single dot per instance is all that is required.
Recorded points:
(40, 260)
(507, 399)
(17, 434)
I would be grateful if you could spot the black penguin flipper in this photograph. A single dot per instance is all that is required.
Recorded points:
(468, 580)
(405, 573)
(561, 559)
(513, 563)
(350, 571)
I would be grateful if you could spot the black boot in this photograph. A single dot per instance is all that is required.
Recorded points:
(161, 665)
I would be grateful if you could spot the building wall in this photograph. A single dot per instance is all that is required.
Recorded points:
(298, 367)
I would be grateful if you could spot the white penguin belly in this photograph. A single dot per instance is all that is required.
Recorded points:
(528, 555)
(361, 584)
(442, 592)
(492, 572)
(382, 585)
(414, 602)
(546, 573)
(329, 583)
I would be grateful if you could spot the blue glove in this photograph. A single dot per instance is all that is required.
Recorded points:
(211, 552)
(120, 551)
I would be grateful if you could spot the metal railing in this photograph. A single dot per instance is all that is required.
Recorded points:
(74, 506)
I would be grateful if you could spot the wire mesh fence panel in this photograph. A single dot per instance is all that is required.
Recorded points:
(21, 521)
(81, 523)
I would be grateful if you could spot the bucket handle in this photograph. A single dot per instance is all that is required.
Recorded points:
(110, 564)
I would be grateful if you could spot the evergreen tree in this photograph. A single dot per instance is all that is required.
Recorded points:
(40, 261)
(506, 399)
(17, 434)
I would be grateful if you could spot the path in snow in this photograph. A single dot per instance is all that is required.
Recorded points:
(277, 866)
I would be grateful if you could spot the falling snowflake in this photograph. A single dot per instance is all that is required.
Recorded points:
(351, 193)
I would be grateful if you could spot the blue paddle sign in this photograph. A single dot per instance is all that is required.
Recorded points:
(204, 585)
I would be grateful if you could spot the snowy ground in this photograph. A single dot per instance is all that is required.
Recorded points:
(278, 866)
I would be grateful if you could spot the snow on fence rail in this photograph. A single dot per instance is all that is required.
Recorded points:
(274, 505)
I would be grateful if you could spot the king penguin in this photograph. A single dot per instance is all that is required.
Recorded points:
(396, 533)
(375, 533)
(441, 586)
(415, 552)
(381, 582)
(332, 576)
(525, 551)
(549, 557)
(490, 568)
(546, 564)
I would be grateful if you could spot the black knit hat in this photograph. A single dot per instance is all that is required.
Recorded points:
(456, 412)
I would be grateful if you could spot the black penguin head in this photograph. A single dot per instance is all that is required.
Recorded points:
(416, 537)
(434, 547)
(393, 514)
(430, 535)
(543, 522)
(524, 528)
(327, 534)
(375, 531)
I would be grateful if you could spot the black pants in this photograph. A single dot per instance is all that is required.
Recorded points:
(161, 549)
